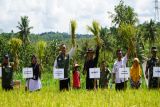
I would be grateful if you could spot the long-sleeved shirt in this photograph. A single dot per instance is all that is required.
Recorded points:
(7, 76)
(91, 63)
(116, 66)
(36, 71)
(35, 82)
(135, 73)
(71, 53)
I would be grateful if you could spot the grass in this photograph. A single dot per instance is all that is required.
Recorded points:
(49, 96)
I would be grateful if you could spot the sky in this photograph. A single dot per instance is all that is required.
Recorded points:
(55, 15)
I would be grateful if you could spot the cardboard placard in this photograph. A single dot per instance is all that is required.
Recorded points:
(124, 72)
(156, 71)
(27, 72)
(94, 73)
(58, 73)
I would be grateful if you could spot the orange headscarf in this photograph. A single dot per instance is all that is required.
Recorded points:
(135, 71)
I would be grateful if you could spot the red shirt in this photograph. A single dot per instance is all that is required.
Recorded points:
(76, 79)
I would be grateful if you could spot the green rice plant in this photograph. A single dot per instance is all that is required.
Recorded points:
(95, 30)
(73, 31)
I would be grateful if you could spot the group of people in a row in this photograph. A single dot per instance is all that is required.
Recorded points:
(91, 61)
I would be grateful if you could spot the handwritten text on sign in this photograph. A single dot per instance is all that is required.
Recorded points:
(124, 72)
(0, 71)
(58, 73)
(27, 72)
(156, 71)
(94, 73)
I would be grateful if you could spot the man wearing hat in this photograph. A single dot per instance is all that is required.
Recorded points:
(152, 62)
(7, 74)
(91, 62)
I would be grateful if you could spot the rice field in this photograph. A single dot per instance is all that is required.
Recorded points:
(49, 96)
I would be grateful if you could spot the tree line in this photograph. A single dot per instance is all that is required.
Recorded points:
(125, 32)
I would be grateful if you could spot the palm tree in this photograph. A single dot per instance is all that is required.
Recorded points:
(105, 36)
(24, 28)
(150, 32)
(95, 30)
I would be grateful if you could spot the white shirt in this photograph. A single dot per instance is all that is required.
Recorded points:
(71, 53)
(116, 66)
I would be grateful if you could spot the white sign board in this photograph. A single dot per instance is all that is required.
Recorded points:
(0, 71)
(27, 72)
(124, 72)
(94, 72)
(156, 71)
(58, 73)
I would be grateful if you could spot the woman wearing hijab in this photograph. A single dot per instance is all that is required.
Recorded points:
(135, 73)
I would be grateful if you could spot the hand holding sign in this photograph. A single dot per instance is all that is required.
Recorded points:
(156, 71)
(124, 72)
(94, 73)
(27, 72)
(58, 73)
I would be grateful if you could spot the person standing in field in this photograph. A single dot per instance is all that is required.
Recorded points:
(105, 75)
(152, 62)
(120, 83)
(135, 74)
(34, 84)
(63, 62)
(7, 74)
(91, 62)
(76, 77)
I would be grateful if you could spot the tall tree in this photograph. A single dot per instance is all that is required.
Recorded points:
(107, 40)
(127, 34)
(24, 28)
(124, 14)
(150, 32)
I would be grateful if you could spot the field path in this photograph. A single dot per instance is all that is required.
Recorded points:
(144, 69)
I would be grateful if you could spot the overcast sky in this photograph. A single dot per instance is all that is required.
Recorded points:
(55, 15)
